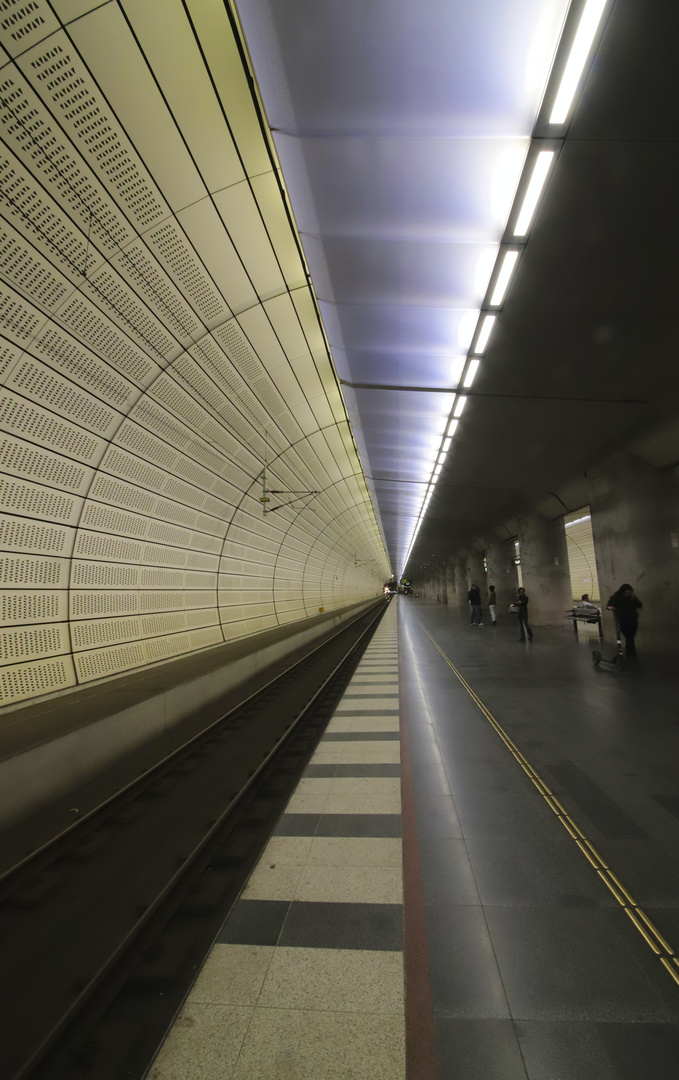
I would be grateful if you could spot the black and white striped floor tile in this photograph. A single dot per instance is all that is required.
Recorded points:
(306, 978)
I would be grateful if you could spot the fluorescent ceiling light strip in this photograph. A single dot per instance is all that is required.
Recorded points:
(446, 445)
(471, 374)
(537, 182)
(582, 43)
(452, 425)
(504, 277)
(486, 328)
(459, 405)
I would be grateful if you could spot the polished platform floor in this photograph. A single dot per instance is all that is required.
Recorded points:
(540, 818)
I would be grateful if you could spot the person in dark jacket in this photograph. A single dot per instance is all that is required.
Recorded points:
(522, 603)
(474, 596)
(492, 604)
(625, 606)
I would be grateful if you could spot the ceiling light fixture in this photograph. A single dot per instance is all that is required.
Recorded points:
(460, 404)
(537, 182)
(582, 43)
(504, 277)
(471, 374)
(486, 328)
(446, 445)
(437, 470)
(452, 426)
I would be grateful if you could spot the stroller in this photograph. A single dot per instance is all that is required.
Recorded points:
(617, 661)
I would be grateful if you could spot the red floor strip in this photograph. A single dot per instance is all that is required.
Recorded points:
(420, 1039)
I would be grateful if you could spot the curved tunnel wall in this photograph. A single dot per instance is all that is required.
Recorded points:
(160, 344)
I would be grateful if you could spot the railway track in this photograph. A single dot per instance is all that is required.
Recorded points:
(103, 929)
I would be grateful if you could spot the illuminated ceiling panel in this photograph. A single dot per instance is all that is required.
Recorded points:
(402, 129)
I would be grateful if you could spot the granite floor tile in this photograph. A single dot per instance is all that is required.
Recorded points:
(355, 753)
(367, 851)
(374, 769)
(480, 1050)
(320, 925)
(465, 979)
(608, 1051)
(350, 885)
(204, 1042)
(358, 737)
(232, 975)
(286, 851)
(369, 825)
(363, 723)
(375, 703)
(437, 816)
(548, 978)
(447, 873)
(306, 804)
(316, 771)
(366, 785)
(326, 757)
(357, 803)
(297, 825)
(284, 1044)
(377, 679)
(254, 922)
(338, 980)
(271, 882)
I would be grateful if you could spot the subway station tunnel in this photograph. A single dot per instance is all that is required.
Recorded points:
(298, 298)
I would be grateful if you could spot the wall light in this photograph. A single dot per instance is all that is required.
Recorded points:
(537, 182)
(471, 374)
(504, 277)
(582, 43)
(486, 328)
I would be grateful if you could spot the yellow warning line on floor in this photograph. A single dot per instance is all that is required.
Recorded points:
(638, 917)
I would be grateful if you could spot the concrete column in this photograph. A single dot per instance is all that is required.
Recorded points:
(451, 594)
(461, 582)
(443, 583)
(501, 570)
(544, 562)
(475, 572)
(635, 524)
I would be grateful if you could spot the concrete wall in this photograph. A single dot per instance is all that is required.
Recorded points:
(635, 524)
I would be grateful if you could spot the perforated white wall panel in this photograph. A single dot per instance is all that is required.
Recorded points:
(160, 344)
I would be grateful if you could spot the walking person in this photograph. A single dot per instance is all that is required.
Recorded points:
(492, 604)
(474, 596)
(625, 606)
(521, 603)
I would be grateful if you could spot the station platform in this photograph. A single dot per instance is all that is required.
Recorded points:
(477, 877)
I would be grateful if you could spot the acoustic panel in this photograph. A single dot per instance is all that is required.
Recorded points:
(158, 377)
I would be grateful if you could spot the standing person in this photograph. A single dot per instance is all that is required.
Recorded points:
(492, 604)
(521, 603)
(625, 605)
(474, 596)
